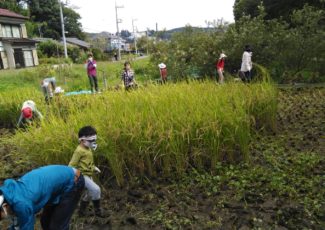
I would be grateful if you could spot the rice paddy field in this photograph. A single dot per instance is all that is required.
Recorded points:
(187, 155)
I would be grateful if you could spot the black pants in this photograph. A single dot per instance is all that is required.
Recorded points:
(93, 82)
(248, 76)
(57, 217)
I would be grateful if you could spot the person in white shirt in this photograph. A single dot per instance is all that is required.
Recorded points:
(28, 113)
(247, 65)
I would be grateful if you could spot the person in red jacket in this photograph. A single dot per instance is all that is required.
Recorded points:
(220, 66)
(163, 72)
(91, 67)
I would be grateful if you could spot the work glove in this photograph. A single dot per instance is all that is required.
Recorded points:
(97, 170)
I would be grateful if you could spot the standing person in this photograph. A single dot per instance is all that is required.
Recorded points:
(83, 160)
(26, 115)
(220, 66)
(128, 76)
(56, 188)
(247, 65)
(163, 72)
(48, 86)
(91, 66)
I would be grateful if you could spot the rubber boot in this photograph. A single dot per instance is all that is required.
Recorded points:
(82, 208)
(98, 210)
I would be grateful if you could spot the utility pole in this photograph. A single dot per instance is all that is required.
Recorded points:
(118, 31)
(147, 32)
(63, 31)
(135, 37)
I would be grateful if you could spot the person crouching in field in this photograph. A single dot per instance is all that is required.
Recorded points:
(48, 86)
(91, 67)
(220, 66)
(83, 160)
(55, 188)
(28, 113)
(128, 77)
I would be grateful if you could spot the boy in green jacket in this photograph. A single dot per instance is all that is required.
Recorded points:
(83, 160)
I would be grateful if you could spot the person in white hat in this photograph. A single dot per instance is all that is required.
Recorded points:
(163, 72)
(220, 66)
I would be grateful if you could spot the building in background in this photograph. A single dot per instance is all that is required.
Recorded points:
(114, 42)
(16, 50)
(85, 46)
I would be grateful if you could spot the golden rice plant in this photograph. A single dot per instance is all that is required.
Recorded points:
(157, 130)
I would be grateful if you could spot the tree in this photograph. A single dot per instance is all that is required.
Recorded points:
(273, 8)
(192, 52)
(125, 34)
(46, 14)
(13, 5)
(279, 45)
(72, 24)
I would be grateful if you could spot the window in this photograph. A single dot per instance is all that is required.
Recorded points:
(15, 31)
(7, 31)
(11, 31)
(28, 56)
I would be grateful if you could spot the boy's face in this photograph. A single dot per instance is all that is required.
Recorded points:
(89, 143)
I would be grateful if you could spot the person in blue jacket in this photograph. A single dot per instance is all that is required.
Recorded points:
(55, 188)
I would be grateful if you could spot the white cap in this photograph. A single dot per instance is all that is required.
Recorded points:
(222, 55)
(2, 199)
(162, 66)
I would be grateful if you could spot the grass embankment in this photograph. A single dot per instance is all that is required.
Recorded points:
(154, 130)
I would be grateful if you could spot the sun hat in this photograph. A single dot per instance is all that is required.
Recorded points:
(27, 113)
(162, 66)
(222, 55)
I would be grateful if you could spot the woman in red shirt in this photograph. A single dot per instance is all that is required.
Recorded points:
(163, 72)
(220, 65)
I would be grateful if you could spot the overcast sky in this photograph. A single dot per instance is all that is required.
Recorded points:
(99, 15)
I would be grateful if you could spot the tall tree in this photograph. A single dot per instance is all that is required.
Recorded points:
(273, 8)
(46, 13)
(13, 5)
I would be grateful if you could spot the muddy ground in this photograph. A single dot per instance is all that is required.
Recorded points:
(282, 187)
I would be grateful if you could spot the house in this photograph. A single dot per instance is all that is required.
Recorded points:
(114, 42)
(16, 50)
(77, 43)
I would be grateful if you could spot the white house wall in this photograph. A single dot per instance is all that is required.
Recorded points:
(36, 62)
(10, 55)
(23, 31)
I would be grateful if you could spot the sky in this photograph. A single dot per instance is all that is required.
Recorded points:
(99, 15)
